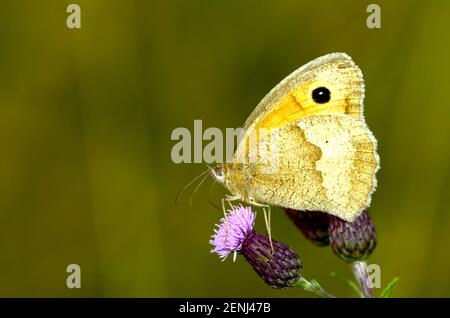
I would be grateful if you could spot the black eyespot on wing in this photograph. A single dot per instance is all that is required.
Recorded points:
(321, 95)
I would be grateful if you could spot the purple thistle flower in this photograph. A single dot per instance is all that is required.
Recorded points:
(232, 231)
(235, 234)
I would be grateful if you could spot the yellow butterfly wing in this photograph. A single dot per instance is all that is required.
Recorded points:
(325, 163)
(326, 156)
(292, 98)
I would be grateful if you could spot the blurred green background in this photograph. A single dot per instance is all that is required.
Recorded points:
(86, 117)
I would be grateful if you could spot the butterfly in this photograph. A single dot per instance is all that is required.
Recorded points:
(324, 158)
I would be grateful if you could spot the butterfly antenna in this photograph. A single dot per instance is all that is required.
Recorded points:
(179, 194)
(196, 189)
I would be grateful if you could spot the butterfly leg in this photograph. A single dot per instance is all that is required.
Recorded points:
(224, 209)
(229, 199)
(267, 218)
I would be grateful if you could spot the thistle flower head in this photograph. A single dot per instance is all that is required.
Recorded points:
(230, 234)
(280, 267)
(353, 241)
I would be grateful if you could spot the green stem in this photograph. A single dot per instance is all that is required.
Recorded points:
(314, 287)
(360, 272)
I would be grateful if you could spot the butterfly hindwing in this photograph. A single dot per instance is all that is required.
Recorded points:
(325, 163)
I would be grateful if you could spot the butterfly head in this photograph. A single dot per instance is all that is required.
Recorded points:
(218, 173)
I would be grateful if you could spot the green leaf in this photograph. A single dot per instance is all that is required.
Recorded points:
(315, 283)
(303, 283)
(387, 291)
(313, 286)
(349, 282)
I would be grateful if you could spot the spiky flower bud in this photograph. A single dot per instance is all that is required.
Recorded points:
(313, 225)
(353, 241)
(280, 267)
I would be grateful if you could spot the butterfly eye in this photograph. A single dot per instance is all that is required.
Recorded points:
(218, 173)
(321, 95)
